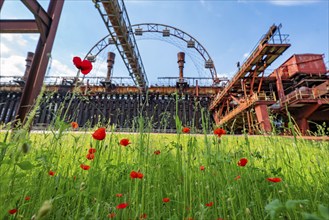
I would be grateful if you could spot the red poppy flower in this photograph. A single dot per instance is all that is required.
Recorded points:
(12, 211)
(92, 150)
(124, 142)
(210, 204)
(133, 174)
(90, 156)
(27, 198)
(99, 134)
(157, 152)
(186, 130)
(84, 167)
(274, 179)
(219, 132)
(202, 168)
(165, 200)
(85, 66)
(51, 173)
(118, 195)
(143, 216)
(238, 177)
(111, 215)
(122, 206)
(74, 125)
(140, 175)
(242, 162)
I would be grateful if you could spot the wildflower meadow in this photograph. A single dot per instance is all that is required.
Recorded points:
(64, 174)
(69, 172)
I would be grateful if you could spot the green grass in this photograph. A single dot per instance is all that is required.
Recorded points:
(175, 173)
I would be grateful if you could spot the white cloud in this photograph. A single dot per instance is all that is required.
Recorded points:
(12, 66)
(5, 51)
(19, 39)
(292, 2)
(60, 69)
(245, 55)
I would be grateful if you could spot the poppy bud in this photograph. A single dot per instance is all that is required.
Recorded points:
(25, 148)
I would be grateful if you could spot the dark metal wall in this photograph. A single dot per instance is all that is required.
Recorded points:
(120, 110)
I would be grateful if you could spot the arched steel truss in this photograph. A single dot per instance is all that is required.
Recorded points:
(166, 31)
(191, 42)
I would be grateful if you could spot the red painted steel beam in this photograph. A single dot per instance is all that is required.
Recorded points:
(18, 26)
(42, 18)
(263, 117)
(40, 61)
(303, 125)
(306, 112)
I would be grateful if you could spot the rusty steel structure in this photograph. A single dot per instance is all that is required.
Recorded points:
(166, 31)
(116, 20)
(297, 91)
(299, 87)
(45, 23)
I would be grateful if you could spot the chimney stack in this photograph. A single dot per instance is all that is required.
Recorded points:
(181, 61)
(28, 60)
(110, 63)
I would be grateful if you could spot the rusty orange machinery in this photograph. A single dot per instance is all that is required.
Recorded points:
(299, 86)
(307, 98)
(248, 86)
(207, 91)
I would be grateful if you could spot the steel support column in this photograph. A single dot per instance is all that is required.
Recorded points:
(279, 85)
(304, 114)
(40, 61)
(303, 125)
(216, 117)
(263, 118)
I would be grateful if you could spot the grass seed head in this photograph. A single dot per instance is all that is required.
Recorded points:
(44, 210)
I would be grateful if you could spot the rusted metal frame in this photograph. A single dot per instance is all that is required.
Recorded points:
(253, 81)
(263, 117)
(119, 21)
(244, 88)
(247, 66)
(269, 34)
(235, 99)
(40, 61)
(321, 89)
(240, 74)
(236, 111)
(227, 106)
(249, 122)
(18, 26)
(306, 112)
(260, 82)
(42, 18)
(220, 112)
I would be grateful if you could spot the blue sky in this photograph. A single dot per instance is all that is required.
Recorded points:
(227, 29)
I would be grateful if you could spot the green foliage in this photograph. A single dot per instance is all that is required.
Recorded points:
(191, 170)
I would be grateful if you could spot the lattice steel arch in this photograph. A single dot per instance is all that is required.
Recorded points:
(191, 42)
(165, 30)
